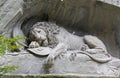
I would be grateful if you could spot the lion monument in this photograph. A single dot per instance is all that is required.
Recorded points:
(47, 38)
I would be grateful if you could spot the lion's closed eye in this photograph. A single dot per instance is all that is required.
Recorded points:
(39, 31)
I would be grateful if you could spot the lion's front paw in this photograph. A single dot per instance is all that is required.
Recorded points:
(72, 56)
(84, 47)
(49, 61)
(33, 44)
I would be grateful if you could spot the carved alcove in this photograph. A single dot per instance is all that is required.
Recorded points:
(93, 17)
(80, 17)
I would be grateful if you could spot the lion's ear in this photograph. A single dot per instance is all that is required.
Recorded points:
(45, 43)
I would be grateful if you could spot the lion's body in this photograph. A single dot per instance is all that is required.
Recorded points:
(57, 35)
(50, 35)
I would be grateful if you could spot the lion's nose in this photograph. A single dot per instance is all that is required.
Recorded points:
(42, 37)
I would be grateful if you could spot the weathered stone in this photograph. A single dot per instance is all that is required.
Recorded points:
(47, 34)
(113, 2)
(57, 76)
(90, 16)
(30, 64)
(76, 15)
(41, 51)
(10, 12)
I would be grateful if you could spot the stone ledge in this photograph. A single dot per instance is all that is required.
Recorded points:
(58, 76)
(112, 2)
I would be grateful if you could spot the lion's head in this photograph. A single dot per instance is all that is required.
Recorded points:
(43, 34)
(38, 34)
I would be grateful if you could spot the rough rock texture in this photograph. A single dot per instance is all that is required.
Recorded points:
(57, 76)
(90, 16)
(30, 64)
(10, 12)
(113, 2)
(93, 17)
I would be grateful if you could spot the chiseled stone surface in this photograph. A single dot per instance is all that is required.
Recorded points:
(58, 76)
(10, 12)
(90, 16)
(30, 64)
(112, 2)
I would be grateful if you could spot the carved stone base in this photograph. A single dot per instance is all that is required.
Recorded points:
(82, 64)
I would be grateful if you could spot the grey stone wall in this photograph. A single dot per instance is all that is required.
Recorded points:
(10, 12)
(91, 16)
(57, 76)
(113, 2)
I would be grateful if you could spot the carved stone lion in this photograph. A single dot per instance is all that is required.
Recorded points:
(59, 40)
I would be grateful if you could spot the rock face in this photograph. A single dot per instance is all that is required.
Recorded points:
(30, 64)
(113, 2)
(93, 17)
(10, 12)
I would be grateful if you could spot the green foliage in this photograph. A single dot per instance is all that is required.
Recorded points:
(6, 69)
(9, 44)
(0, 18)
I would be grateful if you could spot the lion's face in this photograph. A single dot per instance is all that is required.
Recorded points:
(37, 34)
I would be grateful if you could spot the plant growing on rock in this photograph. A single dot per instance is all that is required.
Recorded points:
(8, 44)
(5, 69)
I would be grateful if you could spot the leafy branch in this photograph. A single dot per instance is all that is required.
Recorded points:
(8, 44)
(5, 69)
